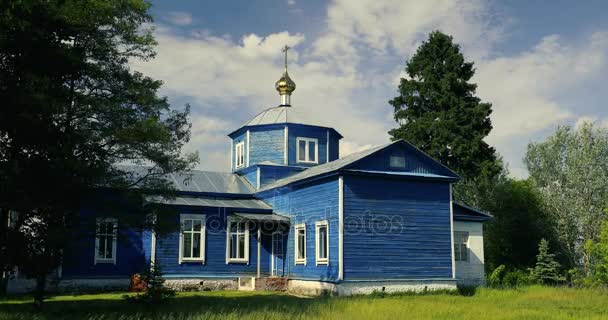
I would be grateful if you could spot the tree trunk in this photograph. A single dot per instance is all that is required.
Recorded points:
(39, 293)
(3, 250)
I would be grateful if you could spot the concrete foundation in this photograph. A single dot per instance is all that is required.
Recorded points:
(315, 288)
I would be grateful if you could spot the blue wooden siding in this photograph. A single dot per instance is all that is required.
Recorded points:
(270, 174)
(266, 144)
(167, 249)
(251, 175)
(297, 131)
(334, 146)
(309, 203)
(237, 139)
(414, 161)
(79, 255)
(396, 229)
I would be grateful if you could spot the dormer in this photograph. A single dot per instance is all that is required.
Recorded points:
(282, 136)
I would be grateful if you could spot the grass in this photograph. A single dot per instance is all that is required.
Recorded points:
(527, 303)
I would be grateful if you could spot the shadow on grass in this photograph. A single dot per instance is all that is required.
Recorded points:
(186, 305)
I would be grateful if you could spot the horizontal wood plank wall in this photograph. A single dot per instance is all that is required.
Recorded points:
(334, 146)
(296, 131)
(251, 175)
(167, 249)
(266, 144)
(414, 162)
(396, 229)
(307, 204)
(270, 174)
(79, 255)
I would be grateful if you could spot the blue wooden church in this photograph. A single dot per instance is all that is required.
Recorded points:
(292, 211)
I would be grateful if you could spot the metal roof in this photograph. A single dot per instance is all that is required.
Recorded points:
(466, 213)
(262, 217)
(212, 202)
(284, 114)
(404, 173)
(201, 181)
(326, 167)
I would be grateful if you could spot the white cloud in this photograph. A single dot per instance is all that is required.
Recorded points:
(346, 75)
(524, 88)
(179, 18)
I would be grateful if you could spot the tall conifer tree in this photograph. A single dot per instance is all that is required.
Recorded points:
(438, 112)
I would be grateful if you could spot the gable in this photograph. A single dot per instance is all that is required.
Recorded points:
(402, 157)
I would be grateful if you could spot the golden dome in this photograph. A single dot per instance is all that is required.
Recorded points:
(285, 85)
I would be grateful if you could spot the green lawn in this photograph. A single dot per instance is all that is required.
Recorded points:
(528, 303)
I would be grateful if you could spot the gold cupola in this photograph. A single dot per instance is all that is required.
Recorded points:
(285, 86)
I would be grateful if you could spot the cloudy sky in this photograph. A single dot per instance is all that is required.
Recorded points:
(540, 64)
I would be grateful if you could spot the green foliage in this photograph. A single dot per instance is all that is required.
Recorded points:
(516, 279)
(495, 278)
(571, 172)
(520, 222)
(438, 112)
(546, 270)
(598, 254)
(72, 108)
(501, 277)
(155, 292)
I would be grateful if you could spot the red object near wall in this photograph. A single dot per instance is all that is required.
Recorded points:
(137, 284)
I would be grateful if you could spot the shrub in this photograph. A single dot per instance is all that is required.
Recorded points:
(495, 278)
(516, 278)
(467, 291)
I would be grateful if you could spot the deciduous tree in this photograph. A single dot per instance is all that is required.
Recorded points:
(73, 109)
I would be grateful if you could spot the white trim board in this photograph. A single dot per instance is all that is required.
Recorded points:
(341, 228)
(247, 146)
(286, 146)
(452, 234)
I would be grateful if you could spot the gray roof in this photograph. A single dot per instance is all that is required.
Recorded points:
(201, 181)
(283, 114)
(262, 217)
(326, 167)
(212, 202)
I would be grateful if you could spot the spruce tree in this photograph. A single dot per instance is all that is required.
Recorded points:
(438, 112)
(546, 270)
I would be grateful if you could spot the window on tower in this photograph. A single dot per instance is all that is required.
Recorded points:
(240, 154)
(307, 150)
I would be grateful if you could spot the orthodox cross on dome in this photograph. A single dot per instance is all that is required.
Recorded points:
(285, 86)
(285, 48)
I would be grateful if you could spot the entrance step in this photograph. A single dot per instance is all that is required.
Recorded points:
(271, 284)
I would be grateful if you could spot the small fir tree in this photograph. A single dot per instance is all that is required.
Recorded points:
(156, 292)
(546, 270)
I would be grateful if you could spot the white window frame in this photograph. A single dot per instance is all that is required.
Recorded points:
(229, 238)
(99, 259)
(319, 225)
(239, 155)
(394, 159)
(297, 227)
(458, 254)
(306, 150)
(202, 234)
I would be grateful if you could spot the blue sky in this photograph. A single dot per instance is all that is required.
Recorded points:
(541, 64)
